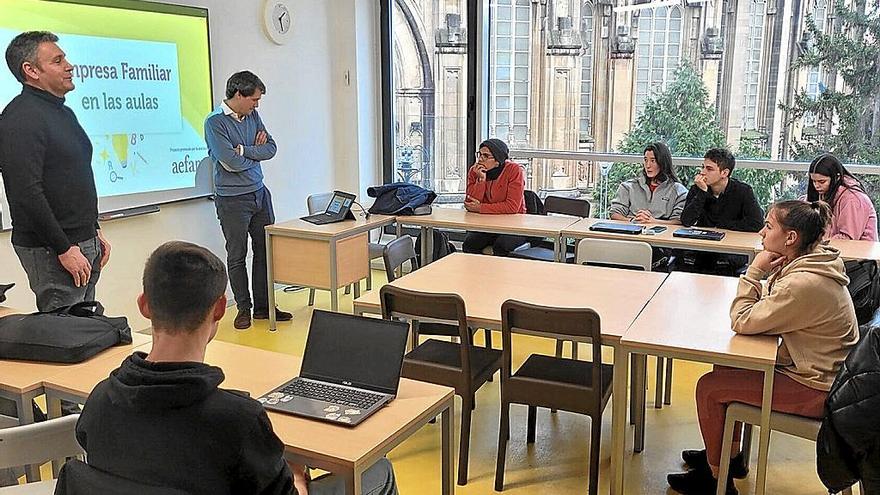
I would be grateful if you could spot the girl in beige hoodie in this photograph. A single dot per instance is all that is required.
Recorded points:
(805, 302)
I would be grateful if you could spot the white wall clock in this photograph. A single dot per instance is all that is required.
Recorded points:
(277, 21)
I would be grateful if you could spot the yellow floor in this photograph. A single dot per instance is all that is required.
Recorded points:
(557, 462)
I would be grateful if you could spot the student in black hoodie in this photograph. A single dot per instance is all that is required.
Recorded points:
(161, 418)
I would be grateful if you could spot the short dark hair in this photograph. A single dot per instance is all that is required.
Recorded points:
(808, 218)
(245, 83)
(722, 157)
(664, 159)
(23, 48)
(182, 281)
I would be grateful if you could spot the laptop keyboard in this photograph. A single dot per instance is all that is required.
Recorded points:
(329, 393)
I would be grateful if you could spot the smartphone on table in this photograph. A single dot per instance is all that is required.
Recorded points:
(656, 229)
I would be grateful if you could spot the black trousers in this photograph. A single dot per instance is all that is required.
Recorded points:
(501, 244)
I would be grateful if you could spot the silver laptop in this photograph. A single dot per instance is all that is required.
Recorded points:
(350, 369)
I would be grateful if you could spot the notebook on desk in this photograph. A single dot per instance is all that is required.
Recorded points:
(350, 369)
(709, 235)
(616, 228)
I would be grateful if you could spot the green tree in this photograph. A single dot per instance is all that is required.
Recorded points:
(684, 119)
(680, 116)
(848, 117)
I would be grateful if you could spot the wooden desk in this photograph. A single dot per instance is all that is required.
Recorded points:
(299, 253)
(857, 250)
(520, 224)
(744, 243)
(617, 295)
(689, 318)
(338, 449)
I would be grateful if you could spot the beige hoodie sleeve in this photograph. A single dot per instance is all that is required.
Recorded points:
(754, 312)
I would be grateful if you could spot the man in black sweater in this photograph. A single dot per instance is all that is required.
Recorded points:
(718, 200)
(161, 419)
(46, 160)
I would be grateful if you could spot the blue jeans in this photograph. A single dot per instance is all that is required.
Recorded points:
(51, 283)
(240, 216)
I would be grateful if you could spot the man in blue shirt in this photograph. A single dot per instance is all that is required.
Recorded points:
(237, 143)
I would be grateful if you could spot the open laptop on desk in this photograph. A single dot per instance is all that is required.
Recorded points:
(709, 235)
(350, 369)
(616, 228)
(337, 210)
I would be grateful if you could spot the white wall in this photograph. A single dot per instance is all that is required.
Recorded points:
(327, 132)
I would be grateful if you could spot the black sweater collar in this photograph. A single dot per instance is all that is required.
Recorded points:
(495, 172)
(42, 94)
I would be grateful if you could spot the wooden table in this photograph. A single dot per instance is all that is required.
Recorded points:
(617, 295)
(299, 253)
(338, 449)
(519, 224)
(689, 318)
(744, 243)
(857, 250)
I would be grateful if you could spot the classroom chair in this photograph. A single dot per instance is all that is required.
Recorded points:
(634, 255)
(458, 365)
(79, 478)
(543, 250)
(737, 412)
(35, 444)
(582, 387)
(395, 254)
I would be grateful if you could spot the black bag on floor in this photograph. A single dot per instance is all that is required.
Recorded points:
(864, 288)
(67, 335)
(442, 246)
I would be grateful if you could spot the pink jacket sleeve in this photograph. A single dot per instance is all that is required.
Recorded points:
(516, 185)
(850, 217)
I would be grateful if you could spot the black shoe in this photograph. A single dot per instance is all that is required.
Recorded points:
(279, 315)
(698, 482)
(242, 321)
(697, 459)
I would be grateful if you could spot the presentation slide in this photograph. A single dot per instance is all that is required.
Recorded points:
(143, 86)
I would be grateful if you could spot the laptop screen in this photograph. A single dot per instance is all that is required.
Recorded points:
(336, 204)
(354, 350)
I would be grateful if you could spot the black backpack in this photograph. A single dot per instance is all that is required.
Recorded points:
(864, 288)
(70, 334)
(442, 246)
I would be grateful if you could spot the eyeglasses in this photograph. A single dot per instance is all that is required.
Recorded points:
(485, 156)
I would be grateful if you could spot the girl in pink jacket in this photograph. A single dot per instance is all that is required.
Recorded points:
(853, 213)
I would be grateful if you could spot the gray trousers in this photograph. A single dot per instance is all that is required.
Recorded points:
(378, 480)
(242, 216)
(51, 283)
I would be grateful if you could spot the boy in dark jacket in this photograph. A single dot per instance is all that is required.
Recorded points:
(161, 418)
(718, 200)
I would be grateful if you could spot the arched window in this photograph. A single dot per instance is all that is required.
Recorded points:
(658, 52)
(752, 73)
(586, 105)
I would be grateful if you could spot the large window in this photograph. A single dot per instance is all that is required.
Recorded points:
(586, 104)
(659, 51)
(752, 73)
(429, 93)
(577, 75)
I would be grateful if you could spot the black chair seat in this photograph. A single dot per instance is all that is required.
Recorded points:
(570, 371)
(449, 354)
